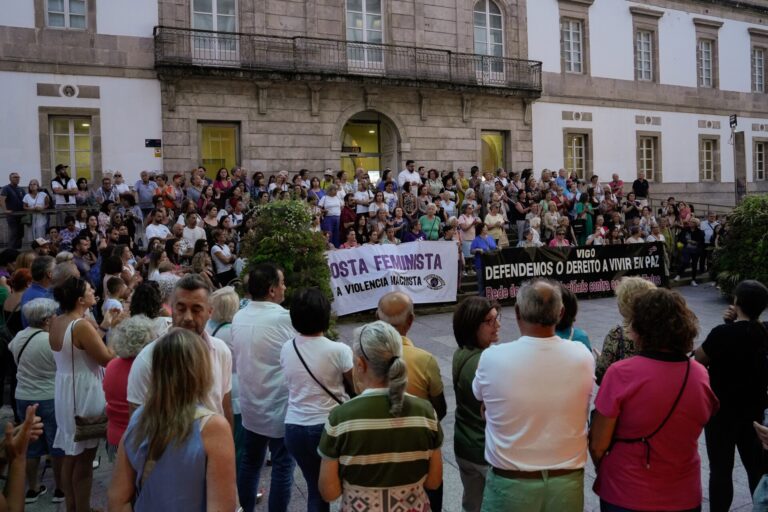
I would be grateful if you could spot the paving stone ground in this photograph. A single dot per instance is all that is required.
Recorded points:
(434, 333)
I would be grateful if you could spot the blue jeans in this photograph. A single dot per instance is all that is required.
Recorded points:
(302, 442)
(249, 472)
(44, 444)
(760, 497)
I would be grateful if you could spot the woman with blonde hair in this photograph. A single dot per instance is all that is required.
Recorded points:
(172, 443)
(393, 452)
(618, 344)
(225, 302)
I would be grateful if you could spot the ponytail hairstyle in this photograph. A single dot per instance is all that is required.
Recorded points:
(382, 348)
(752, 298)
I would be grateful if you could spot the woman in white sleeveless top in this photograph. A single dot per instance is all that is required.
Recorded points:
(80, 356)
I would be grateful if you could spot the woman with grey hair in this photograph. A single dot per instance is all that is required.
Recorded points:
(225, 302)
(365, 440)
(127, 340)
(36, 384)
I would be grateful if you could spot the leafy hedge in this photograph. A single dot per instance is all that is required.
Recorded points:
(743, 254)
(280, 234)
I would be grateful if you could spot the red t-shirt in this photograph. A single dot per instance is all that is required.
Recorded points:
(640, 391)
(116, 392)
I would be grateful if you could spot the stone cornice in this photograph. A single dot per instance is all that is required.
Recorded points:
(586, 3)
(648, 13)
(707, 23)
(758, 32)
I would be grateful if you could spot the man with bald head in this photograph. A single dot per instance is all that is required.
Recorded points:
(396, 308)
(536, 392)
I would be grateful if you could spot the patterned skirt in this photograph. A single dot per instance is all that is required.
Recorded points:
(405, 498)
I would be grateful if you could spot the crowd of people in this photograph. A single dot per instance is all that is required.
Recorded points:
(123, 324)
(194, 389)
(189, 222)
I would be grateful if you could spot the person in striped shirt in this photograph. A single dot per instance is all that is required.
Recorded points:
(381, 449)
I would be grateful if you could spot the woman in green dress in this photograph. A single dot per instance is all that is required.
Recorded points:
(584, 211)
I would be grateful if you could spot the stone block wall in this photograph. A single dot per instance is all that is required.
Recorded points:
(436, 128)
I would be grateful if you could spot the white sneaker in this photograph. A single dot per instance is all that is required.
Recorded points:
(694, 283)
(677, 278)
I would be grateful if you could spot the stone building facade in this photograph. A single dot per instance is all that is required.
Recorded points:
(79, 88)
(650, 86)
(344, 83)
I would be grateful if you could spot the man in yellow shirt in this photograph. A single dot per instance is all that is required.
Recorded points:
(424, 381)
(396, 308)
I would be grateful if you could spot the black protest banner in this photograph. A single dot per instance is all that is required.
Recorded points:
(586, 271)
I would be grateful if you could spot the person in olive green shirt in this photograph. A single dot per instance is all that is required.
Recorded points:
(476, 325)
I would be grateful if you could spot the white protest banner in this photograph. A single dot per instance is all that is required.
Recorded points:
(426, 271)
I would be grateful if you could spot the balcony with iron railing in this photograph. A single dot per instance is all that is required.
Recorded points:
(188, 52)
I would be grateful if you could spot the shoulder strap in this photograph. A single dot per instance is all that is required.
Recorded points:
(18, 359)
(72, 350)
(219, 327)
(312, 375)
(645, 439)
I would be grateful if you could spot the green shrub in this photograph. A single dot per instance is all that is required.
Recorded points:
(281, 235)
(743, 254)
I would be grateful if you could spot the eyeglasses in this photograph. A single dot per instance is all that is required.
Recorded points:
(492, 321)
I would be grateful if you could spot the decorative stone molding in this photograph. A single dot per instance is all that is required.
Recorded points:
(648, 120)
(371, 95)
(707, 23)
(314, 98)
(706, 124)
(466, 107)
(643, 11)
(262, 96)
(423, 105)
(527, 112)
(577, 116)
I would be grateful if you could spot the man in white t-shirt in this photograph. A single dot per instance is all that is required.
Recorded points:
(158, 229)
(409, 174)
(191, 310)
(192, 233)
(64, 188)
(536, 392)
(259, 332)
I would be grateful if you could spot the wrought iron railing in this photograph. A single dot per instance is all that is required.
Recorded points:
(204, 48)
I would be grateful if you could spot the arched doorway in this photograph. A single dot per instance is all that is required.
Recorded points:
(369, 140)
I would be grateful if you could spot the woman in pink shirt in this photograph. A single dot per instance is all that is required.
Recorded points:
(650, 411)
(127, 340)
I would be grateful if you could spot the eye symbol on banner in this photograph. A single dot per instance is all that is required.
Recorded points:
(434, 282)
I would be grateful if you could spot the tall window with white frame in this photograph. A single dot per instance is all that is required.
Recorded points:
(576, 154)
(66, 14)
(216, 16)
(705, 62)
(572, 45)
(708, 148)
(758, 156)
(644, 55)
(489, 33)
(365, 25)
(71, 145)
(758, 69)
(647, 152)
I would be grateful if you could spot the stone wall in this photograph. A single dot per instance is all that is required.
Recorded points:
(444, 24)
(438, 129)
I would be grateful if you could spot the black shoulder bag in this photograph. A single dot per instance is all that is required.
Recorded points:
(338, 401)
(18, 359)
(646, 439)
(217, 329)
